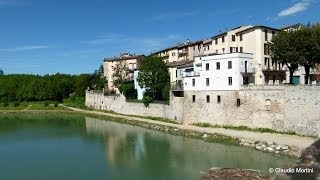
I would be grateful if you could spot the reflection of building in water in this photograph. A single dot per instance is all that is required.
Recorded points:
(118, 149)
(132, 146)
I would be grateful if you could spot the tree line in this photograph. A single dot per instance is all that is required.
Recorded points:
(26, 87)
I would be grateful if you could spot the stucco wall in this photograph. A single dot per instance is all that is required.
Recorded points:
(283, 108)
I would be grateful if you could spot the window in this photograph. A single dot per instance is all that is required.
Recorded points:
(218, 99)
(223, 50)
(222, 38)
(207, 81)
(193, 82)
(208, 47)
(193, 98)
(207, 66)
(266, 35)
(241, 49)
(218, 65)
(216, 41)
(240, 37)
(194, 48)
(233, 37)
(229, 64)
(231, 50)
(205, 49)
(266, 49)
(176, 73)
(217, 51)
(238, 102)
(199, 47)
(273, 33)
(267, 63)
(173, 54)
(230, 81)
(208, 98)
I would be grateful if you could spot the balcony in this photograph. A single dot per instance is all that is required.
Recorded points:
(177, 86)
(182, 53)
(248, 71)
(191, 74)
(313, 71)
(273, 68)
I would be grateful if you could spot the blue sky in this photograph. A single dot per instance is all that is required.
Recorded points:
(45, 36)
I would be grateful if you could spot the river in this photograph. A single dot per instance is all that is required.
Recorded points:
(62, 146)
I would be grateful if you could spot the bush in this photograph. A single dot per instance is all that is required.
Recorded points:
(55, 104)
(5, 104)
(146, 100)
(46, 103)
(166, 93)
(16, 103)
(128, 90)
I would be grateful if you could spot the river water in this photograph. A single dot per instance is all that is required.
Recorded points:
(60, 146)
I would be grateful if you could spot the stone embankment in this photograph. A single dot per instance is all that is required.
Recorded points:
(307, 168)
(270, 147)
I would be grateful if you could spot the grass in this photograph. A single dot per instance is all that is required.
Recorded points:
(76, 103)
(40, 105)
(245, 128)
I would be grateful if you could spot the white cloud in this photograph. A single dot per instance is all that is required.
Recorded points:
(166, 16)
(24, 48)
(11, 3)
(296, 8)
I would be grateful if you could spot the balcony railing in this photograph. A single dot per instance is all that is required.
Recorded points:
(248, 70)
(191, 74)
(273, 68)
(177, 86)
(313, 71)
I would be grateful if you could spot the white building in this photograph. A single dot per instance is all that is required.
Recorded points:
(140, 90)
(220, 72)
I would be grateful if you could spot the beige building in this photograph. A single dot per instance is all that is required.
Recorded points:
(129, 61)
(249, 39)
(255, 40)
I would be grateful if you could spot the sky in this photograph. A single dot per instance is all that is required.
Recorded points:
(74, 36)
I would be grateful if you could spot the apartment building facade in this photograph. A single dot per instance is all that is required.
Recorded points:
(220, 72)
(131, 61)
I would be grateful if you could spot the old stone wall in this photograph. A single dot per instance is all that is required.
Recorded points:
(282, 108)
(118, 104)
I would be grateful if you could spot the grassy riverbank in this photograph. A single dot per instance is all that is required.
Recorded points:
(43, 105)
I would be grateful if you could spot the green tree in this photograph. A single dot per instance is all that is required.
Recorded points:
(308, 49)
(283, 49)
(121, 73)
(154, 77)
(1, 72)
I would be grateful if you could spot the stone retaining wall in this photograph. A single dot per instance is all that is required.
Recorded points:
(283, 108)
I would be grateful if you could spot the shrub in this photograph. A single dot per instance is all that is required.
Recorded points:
(46, 103)
(55, 104)
(146, 100)
(128, 90)
(16, 103)
(166, 93)
(5, 104)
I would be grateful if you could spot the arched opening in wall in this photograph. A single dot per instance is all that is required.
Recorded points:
(268, 102)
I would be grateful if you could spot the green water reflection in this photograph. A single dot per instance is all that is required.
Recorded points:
(75, 147)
